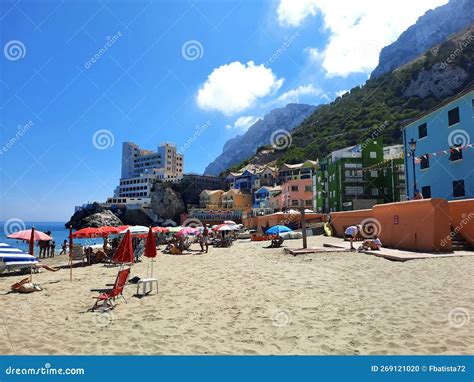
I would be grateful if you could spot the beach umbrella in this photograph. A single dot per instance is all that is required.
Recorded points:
(231, 222)
(135, 229)
(109, 230)
(276, 229)
(160, 230)
(227, 227)
(13, 258)
(188, 231)
(122, 227)
(30, 235)
(174, 229)
(124, 252)
(150, 248)
(88, 232)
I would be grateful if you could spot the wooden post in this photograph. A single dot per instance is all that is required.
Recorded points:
(71, 247)
(303, 225)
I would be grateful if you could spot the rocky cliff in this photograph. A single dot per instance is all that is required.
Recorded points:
(244, 146)
(432, 28)
(166, 202)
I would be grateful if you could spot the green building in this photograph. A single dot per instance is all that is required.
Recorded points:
(360, 176)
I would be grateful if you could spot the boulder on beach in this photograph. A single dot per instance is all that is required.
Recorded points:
(166, 202)
(101, 219)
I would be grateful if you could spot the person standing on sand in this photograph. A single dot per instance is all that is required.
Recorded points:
(351, 233)
(205, 236)
(52, 248)
(63, 248)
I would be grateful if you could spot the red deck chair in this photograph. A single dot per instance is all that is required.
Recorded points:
(109, 295)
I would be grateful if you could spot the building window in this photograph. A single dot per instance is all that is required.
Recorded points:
(458, 188)
(375, 192)
(422, 130)
(453, 116)
(373, 154)
(308, 188)
(455, 153)
(295, 203)
(308, 202)
(373, 174)
(294, 188)
(426, 192)
(425, 162)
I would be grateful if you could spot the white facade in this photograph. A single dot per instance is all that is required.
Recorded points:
(141, 168)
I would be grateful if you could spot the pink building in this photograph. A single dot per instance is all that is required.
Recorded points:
(298, 189)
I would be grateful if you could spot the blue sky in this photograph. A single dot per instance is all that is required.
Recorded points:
(80, 77)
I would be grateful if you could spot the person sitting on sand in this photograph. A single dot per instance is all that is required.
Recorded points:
(371, 244)
(351, 233)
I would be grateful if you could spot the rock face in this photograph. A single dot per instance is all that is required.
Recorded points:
(136, 217)
(79, 215)
(259, 134)
(100, 219)
(439, 82)
(166, 203)
(430, 29)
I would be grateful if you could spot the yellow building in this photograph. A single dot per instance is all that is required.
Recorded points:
(210, 199)
(236, 199)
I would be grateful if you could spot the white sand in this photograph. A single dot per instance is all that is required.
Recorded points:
(249, 300)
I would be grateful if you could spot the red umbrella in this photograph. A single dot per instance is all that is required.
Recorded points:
(150, 248)
(109, 230)
(122, 227)
(30, 235)
(88, 232)
(160, 230)
(124, 252)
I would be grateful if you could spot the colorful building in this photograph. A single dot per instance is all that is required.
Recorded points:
(443, 159)
(191, 186)
(267, 197)
(236, 199)
(210, 199)
(359, 177)
(298, 185)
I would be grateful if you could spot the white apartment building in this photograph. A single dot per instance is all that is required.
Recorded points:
(141, 168)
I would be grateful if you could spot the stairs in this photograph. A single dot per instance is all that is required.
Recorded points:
(458, 243)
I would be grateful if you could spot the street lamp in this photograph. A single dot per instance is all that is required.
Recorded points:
(412, 144)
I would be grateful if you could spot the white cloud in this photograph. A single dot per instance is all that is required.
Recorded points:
(341, 93)
(243, 123)
(294, 95)
(235, 87)
(358, 30)
(315, 54)
(293, 12)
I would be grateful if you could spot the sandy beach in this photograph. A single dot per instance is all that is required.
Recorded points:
(250, 300)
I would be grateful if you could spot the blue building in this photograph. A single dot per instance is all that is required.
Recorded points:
(442, 143)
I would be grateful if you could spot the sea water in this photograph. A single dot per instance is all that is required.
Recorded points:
(58, 231)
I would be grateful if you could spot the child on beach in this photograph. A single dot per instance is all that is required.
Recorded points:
(371, 244)
(52, 248)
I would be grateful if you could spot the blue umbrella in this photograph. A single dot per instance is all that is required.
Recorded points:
(276, 229)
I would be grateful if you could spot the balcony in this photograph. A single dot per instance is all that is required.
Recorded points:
(353, 179)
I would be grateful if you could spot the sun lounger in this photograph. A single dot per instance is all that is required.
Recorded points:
(108, 296)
